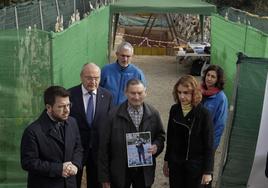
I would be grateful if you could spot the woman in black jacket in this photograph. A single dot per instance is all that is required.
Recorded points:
(188, 159)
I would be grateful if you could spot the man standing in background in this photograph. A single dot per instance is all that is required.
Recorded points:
(114, 76)
(90, 106)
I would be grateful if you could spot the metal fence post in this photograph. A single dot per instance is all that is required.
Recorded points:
(84, 6)
(74, 5)
(57, 7)
(41, 15)
(16, 18)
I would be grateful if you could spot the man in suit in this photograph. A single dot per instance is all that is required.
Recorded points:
(89, 126)
(134, 115)
(51, 149)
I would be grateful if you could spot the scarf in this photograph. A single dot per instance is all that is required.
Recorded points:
(209, 92)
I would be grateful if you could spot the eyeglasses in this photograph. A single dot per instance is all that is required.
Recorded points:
(90, 78)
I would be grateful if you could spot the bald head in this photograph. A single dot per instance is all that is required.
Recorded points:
(90, 76)
(90, 66)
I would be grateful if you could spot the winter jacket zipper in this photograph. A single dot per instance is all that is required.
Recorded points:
(189, 137)
(120, 85)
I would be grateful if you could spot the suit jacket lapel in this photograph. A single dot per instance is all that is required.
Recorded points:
(49, 127)
(53, 133)
(68, 139)
(80, 103)
(99, 103)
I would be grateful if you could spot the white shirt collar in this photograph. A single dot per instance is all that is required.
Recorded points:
(85, 91)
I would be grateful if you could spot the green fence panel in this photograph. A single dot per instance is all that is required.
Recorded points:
(226, 39)
(11, 173)
(85, 41)
(98, 49)
(256, 43)
(25, 71)
(229, 38)
(245, 127)
(32, 60)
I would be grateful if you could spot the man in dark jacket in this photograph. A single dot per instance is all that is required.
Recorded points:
(90, 128)
(134, 115)
(51, 150)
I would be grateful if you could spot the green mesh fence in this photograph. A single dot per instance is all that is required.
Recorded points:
(229, 38)
(86, 41)
(236, 15)
(245, 127)
(25, 72)
(32, 60)
(42, 14)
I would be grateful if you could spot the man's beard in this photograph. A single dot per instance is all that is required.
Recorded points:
(56, 118)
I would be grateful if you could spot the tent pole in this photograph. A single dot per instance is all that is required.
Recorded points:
(150, 29)
(146, 25)
(169, 26)
(201, 18)
(115, 27)
(174, 29)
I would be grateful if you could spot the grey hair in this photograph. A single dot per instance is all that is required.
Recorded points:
(125, 45)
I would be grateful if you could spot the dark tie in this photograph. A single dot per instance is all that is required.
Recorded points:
(90, 109)
(60, 130)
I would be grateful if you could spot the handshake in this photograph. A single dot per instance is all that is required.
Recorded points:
(69, 169)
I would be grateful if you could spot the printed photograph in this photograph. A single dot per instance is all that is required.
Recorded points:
(137, 149)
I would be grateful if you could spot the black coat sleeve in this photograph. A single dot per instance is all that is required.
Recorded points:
(78, 149)
(207, 134)
(103, 151)
(170, 132)
(30, 160)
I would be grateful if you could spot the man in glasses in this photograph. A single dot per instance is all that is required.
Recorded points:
(51, 149)
(90, 107)
(114, 76)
